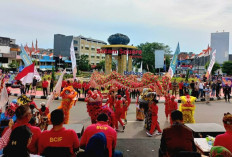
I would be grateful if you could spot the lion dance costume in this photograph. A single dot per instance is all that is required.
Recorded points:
(94, 107)
(187, 107)
(69, 98)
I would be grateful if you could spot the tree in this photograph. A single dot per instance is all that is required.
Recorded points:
(216, 66)
(83, 63)
(148, 57)
(227, 67)
(101, 65)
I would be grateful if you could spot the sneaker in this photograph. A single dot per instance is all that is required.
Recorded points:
(158, 133)
(123, 127)
(148, 134)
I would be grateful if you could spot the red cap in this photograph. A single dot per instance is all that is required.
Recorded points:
(119, 96)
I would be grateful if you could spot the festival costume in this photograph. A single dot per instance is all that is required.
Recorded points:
(154, 112)
(94, 107)
(139, 111)
(119, 111)
(187, 107)
(167, 105)
(69, 96)
(173, 106)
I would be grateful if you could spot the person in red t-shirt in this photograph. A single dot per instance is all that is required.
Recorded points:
(101, 126)
(79, 88)
(33, 105)
(43, 111)
(75, 85)
(23, 114)
(154, 124)
(119, 110)
(226, 138)
(58, 136)
(181, 85)
(173, 106)
(83, 87)
(68, 83)
(63, 84)
(87, 86)
(45, 87)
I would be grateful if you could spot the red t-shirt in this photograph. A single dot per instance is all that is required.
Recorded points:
(110, 133)
(224, 140)
(87, 86)
(46, 112)
(181, 85)
(33, 147)
(68, 84)
(75, 85)
(119, 106)
(79, 85)
(83, 85)
(33, 103)
(45, 84)
(63, 84)
(61, 138)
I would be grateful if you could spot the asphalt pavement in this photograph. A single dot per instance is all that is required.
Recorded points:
(134, 141)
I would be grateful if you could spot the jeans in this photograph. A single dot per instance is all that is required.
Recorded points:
(45, 91)
(213, 92)
(200, 92)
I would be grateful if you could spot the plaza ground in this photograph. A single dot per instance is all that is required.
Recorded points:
(134, 142)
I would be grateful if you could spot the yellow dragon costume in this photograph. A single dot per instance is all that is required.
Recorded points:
(187, 107)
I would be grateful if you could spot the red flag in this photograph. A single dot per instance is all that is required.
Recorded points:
(26, 75)
(27, 49)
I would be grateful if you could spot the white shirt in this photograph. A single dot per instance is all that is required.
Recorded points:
(200, 85)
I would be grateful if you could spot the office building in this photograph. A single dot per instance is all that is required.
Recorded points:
(82, 46)
(220, 43)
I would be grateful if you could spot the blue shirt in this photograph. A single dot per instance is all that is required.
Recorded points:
(186, 84)
(4, 117)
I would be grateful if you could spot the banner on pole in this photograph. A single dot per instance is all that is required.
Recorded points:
(172, 68)
(211, 64)
(73, 59)
(57, 89)
(24, 56)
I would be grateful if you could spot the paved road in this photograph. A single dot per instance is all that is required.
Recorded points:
(134, 135)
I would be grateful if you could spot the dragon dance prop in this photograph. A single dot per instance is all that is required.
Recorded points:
(187, 107)
(149, 80)
(95, 107)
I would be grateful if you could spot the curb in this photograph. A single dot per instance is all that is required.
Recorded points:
(104, 100)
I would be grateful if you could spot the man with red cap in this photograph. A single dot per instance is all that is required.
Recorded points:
(172, 107)
(119, 110)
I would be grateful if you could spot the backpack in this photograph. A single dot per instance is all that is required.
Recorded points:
(97, 146)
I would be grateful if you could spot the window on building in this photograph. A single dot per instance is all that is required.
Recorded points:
(75, 42)
(93, 49)
(92, 56)
(103, 57)
(82, 47)
(98, 57)
(75, 48)
(87, 48)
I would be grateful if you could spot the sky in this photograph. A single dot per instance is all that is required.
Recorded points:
(189, 22)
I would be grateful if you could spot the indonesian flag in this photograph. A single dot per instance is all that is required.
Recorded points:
(4, 96)
(27, 74)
